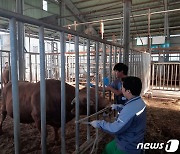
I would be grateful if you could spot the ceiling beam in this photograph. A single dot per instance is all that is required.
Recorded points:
(73, 9)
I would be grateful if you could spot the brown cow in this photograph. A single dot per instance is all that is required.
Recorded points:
(29, 103)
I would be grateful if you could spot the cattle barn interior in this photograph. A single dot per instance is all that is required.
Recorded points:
(78, 42)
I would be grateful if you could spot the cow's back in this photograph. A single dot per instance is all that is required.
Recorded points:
(29, 101)
(53, 101)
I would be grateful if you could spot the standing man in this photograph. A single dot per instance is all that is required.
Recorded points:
(115, 87)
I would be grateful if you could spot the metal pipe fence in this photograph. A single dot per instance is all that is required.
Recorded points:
(165, 76)
(102, 63)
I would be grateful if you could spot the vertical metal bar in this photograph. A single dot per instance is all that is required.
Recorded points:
(63, 94)
(36, 66)
(97, 81)
(157, 70)
(42, 89)
(179, 76)
(57, 62)
(160, 71)
(77, 89)
(9, 59)
(175, 76)
(149, 31)
(153, 75)
(141, 67)
(24, 73)
(30, 67)
(1, 70)
(63, 12)
(88, 85)
(126, 28)
(46, 66)
(70, 67)
(164, 74)
(148, 58)
(19, 9)
(15, 90)
(110, 69)
(168, 77)
(97, 74)
(115, 55)
(138, 66)
(104, 67)
(130, 63)
(166, 27)
(29, 41)
(133, 64)
(120, 55)
(134, 68)
(171, 75)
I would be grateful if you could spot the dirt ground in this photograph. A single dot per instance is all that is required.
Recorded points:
(163, 124)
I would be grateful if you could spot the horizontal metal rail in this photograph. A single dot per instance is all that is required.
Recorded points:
(25, 19)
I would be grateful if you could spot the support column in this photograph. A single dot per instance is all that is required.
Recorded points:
(126, 28)
(63, 10)
(20, 43)
(166, 28)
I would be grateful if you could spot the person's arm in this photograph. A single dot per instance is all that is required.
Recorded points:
(99, 88)
(121, 124)
(116, 92)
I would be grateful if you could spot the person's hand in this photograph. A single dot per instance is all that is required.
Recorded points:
(95, 123)
(116, 106)
(113, 106)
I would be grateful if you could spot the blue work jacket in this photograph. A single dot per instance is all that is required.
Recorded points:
(129, 127)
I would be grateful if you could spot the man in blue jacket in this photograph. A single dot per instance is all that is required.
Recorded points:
(129, 126)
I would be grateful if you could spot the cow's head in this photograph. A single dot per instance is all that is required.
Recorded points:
(102, 103)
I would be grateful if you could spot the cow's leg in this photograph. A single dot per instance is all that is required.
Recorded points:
(56, 135)
(37, 120)
(4, 113)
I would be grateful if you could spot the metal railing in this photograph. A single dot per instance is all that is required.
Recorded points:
(166, 76)
(137, 68)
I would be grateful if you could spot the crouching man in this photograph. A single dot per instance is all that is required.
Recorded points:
(129, 126)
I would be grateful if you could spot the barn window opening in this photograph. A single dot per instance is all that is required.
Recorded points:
(44, 5)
